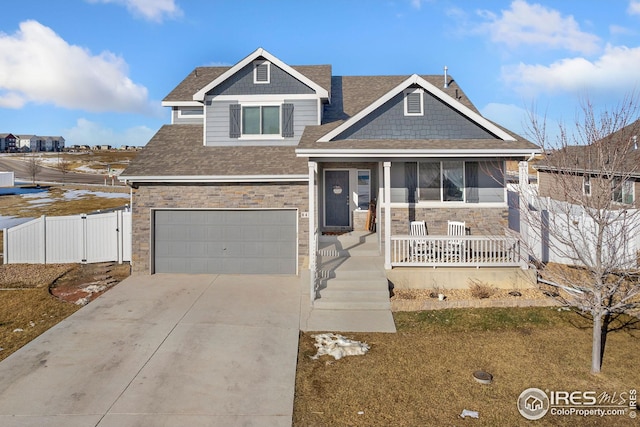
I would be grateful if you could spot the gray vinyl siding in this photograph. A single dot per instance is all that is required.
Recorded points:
(175, 119)
(281, 83)
(439, 121)
(305, 113)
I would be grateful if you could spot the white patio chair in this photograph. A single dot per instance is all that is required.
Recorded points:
(418, 246)
(456, 246)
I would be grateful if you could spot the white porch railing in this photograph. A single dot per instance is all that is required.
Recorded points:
(455, 251)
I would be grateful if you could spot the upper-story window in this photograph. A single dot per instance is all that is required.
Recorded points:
(191, 112)
(261, 72)
(413, 102)
(261, 120)
(586, 185)
(622, 191)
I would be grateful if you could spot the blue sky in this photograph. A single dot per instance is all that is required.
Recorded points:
(95, 71)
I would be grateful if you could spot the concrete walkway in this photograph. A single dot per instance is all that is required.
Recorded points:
(163, 350)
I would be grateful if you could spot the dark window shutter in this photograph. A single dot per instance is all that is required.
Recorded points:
(413, 103)
(287, 120)
(234, 121)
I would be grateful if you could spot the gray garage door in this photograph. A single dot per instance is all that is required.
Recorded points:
(225, 241)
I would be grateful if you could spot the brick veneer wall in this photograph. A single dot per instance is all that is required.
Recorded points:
(479, 221)
(213, 196)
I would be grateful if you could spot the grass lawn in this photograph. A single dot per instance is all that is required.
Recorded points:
(422, 375)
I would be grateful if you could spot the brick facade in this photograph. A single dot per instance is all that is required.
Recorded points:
(479, 221)
(213, 196)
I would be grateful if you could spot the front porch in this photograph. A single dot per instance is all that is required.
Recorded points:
(488, 253)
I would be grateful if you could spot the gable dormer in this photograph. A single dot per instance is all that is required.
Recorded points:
(261, 101)
(416, 110)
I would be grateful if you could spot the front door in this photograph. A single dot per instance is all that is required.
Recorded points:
(336, 198)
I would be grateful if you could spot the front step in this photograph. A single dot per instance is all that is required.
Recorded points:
(351, 273)
(361, 304)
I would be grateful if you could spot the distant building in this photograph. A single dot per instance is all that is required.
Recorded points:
(30, 143)
(7, 142)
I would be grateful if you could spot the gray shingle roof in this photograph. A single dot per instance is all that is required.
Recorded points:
(177, 150)
(202, 76)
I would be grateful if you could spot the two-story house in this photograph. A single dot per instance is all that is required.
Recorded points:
(262, 158)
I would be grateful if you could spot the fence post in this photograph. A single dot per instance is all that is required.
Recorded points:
(43, 251)
(119, 235)
(5, 246)
(84, 238)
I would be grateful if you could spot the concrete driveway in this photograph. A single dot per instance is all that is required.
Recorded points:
(163, 350)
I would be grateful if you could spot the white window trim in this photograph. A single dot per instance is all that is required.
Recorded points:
(194, 116)
(586, 185)
(268, 136)
(406, 92)
(255, 72)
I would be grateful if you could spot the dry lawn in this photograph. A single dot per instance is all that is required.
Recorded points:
(27, 309)
(98, 159)
(422, 376)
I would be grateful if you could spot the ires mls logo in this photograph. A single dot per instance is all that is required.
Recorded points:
(533, 403)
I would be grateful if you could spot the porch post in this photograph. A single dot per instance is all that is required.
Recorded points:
(387, 215)
(313, 230)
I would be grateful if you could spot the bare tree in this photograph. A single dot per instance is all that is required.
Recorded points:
(587, 218)
(33, 166)
(64, 166)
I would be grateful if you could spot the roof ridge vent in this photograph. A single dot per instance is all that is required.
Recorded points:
(446, 83)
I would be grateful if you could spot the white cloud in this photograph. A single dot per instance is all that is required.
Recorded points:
(152, 10)
(86, 132)
(40, 67)
(537, 25)
(616, 70)
(634, 7)
(416, 4)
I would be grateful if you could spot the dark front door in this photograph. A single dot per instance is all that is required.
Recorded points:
(336, 198)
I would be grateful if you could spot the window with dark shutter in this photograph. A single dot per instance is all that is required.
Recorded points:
(287, 120)
(234, 121)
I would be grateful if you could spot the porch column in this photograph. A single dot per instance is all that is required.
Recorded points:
(387, 215)
(313, 242)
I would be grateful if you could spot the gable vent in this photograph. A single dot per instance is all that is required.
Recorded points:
(413, 103)
(261, 72)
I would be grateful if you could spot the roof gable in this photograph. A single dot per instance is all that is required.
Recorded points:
(260, 53)
(416, 80)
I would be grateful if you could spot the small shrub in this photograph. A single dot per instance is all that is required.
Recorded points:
(481, 290)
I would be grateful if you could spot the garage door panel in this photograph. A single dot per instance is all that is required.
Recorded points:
(210, 241)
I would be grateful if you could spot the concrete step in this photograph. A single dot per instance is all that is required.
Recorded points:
(354, 295)
(350, 238)
(329, 303)
(374, 284)
(339, 250)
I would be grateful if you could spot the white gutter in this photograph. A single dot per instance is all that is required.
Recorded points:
(215, 178)
(410, 153)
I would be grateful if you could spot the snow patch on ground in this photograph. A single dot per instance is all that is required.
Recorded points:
(77, 194)
(338, 346)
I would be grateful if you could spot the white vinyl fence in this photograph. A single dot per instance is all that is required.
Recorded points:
(548, 225)
(70, 239)
(7, 179)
